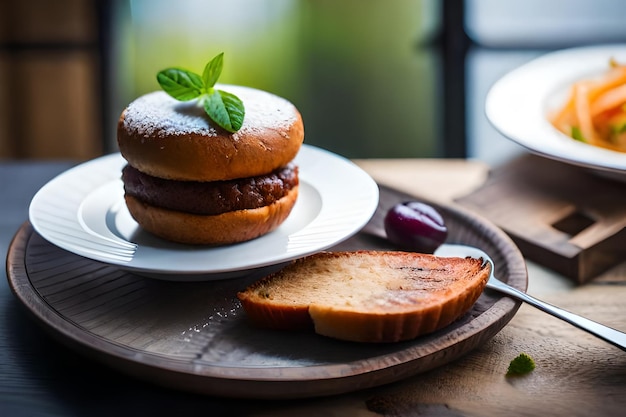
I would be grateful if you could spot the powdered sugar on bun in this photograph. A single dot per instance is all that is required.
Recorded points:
(158, 114)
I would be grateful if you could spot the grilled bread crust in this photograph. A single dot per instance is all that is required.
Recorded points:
(367, 296)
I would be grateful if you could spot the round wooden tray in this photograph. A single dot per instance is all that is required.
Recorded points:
(194, 335)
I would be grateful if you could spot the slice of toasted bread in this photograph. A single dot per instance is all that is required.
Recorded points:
(367, 296)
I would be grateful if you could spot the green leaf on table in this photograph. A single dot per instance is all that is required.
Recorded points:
(520, 365)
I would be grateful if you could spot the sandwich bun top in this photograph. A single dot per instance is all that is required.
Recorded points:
(170, 139)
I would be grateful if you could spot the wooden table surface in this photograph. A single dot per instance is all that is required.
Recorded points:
(576, 374)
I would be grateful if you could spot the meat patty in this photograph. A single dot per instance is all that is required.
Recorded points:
(210, 198)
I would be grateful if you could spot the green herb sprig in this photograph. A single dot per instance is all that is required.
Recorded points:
(577, 134)
(224, 108)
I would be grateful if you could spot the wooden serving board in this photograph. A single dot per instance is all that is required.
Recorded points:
(564, 217)
(194, 336)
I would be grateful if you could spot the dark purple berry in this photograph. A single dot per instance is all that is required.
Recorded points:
(415, 226)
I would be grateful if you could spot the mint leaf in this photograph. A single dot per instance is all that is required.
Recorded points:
(181, 84)
(212, 70)
(234, 107)
(225, 109)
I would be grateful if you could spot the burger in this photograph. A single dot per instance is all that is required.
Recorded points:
(190, 181)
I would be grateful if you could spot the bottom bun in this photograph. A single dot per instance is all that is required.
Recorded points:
(221, 229)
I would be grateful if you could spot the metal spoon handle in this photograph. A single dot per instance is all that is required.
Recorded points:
(605, 333)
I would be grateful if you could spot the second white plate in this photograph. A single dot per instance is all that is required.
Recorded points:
(83, 211)
(519, 103)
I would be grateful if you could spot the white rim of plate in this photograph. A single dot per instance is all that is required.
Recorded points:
(337, 198)
(518, 104)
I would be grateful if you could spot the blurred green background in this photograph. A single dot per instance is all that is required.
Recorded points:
(360, 71)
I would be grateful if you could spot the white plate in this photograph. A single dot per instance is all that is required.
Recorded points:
(83, 211)
(518, 105)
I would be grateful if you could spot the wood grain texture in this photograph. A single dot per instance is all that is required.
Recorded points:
(194, 336)
(576, 374)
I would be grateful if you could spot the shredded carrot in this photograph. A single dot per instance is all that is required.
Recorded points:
(609, 100)
(583, 113)
(593, 107)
